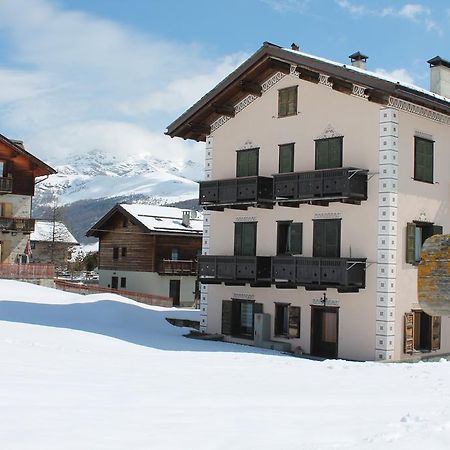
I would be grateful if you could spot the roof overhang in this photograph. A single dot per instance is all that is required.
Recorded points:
(196, 122)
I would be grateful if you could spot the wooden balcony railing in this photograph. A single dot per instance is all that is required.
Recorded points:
(234, 270)
(16, 224)
(238, 193)
(344, 274)
(346, 184)
(27, 271)
(177, 267)
(6, 185)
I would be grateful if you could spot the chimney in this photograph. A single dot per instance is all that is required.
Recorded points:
(439, 76)
(186, 219)
(295, 47)
(359, 60)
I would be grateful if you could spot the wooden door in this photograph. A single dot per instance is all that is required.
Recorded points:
(324, 331)
(115, 282)
(174, 291)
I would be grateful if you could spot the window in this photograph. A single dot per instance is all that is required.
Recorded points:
(115, 252)
(238, 317)
(422, 332)
(124, 251)
(329, 153)
(174, 255)
(416, 234)
(287, 101)
(245, 239)
(123, 282)
(423, 159)
(247, 162)
(5, 209)
(327, 238)
(289, 238)
(286, 158)
(114, 282)
(287, 320)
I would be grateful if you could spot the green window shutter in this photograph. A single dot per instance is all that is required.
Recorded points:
(282, 102)
(227, 316)
(286, 158)
(295, 238)
(435, 332)
(248, 239)
(423, 160)
(238, 239)
(252, 162)
(321, 154)
(242, 164)
(319, 238)
(292, 101)
(294, 322)
(335, 152)
(411, 243)
(247, 163)
(333, 238)
(287, 101)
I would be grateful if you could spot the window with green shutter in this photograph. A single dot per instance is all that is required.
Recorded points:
(423, 159)
(329, 153)
(416, 234)
(247, 162)
(287, 101)
(286, 158)
(245, 239)
(289, 238)
(327, 238)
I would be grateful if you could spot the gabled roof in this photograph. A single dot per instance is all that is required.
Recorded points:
(43, 232)
(195, 123)
(40, 168)
(152, 219)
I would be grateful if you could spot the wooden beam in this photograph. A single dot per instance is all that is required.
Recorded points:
(200, 128)
(250, 87)
(377, 96)
(280, 66)
(224, 109)
(341, 85)
(308, 75)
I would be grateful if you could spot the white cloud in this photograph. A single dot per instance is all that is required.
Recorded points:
(283, 6)
(397, 75)
(76, 79)
(413, 11)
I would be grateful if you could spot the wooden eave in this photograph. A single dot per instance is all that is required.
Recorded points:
(195, 123)
(26, 160)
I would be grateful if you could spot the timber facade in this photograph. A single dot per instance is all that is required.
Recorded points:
(322, 182)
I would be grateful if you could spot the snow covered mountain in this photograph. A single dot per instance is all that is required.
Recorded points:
(99, 175)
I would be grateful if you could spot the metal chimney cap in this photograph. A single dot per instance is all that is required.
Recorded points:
(438, 61)
(358, 56)
(295, 47)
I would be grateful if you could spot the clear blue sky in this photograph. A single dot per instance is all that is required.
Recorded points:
(82, 74)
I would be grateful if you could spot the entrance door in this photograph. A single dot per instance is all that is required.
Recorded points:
(174, 291)
(324, 331)
(115, 282)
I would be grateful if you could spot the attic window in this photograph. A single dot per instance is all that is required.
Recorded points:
(287, 101)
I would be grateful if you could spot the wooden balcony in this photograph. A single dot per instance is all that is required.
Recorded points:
(237, 193)
(27, 271)
(16, 224)
(343, 274)
(235, 270)
(177, 267)
(320, 187)
(6, 185)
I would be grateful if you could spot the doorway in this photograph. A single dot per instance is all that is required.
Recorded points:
(324, 331)
(174, 291)
(114, 282)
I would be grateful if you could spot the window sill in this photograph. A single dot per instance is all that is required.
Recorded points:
(287, 115)
(424, 181)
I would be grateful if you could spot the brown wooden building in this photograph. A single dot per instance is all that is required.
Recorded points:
(18, 171)
(150, 249)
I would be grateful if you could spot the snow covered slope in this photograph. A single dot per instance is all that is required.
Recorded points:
(96, 174)
(103, 372)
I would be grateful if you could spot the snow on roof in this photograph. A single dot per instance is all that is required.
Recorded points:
(43, 232)
(371, 74)
(164, 218)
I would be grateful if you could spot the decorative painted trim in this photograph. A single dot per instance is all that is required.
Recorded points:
(412, 108)
(219, 122)
(246, 219)
(241, 296)
(293, 71)
(248, 145)
(359, 91)
(329, 132)
(323, 79)
(328, 215)
(272, 81)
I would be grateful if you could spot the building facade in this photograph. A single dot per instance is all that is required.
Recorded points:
(150, 249)
(18, 171)
(322, 181)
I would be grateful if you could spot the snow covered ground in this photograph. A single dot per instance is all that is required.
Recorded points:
(103, 372)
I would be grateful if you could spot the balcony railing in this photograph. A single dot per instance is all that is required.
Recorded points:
(344, 274)
(346, 184)
(177, 267)
(6, 185)
(16, 224)
(234, 270)
(239, 193)
(27, 271)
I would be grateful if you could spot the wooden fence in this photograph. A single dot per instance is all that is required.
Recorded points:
(148, 299)
(27, 271)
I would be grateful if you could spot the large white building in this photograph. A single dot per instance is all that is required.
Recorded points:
(322, 182)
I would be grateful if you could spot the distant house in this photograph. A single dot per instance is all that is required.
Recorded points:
(150, 249)
(51, 242)
(18, 171)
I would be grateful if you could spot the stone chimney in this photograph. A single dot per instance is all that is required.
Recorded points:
(295, 47)
(186, 219)
(439, 76)
(359, 60)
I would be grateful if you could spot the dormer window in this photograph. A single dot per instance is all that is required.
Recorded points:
(287, 101)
